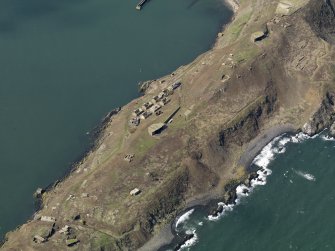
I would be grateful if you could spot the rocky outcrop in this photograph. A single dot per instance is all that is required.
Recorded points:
(244, 128)
(169, 197)
(241, 130)
(108, 118)
(185, 239)
(321, 16)
(332, 130)
(200, 154)
(323, 117)
(144, 86)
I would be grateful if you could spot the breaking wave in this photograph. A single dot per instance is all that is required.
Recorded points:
(299, 138)
(306, 176)
(225, 209)
(184, 217)
(327, 138)
(262, 160)
(191, 241)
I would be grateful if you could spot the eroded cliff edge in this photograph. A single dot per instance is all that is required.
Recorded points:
(273, 66)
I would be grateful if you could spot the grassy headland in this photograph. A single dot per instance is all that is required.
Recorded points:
(235, 93)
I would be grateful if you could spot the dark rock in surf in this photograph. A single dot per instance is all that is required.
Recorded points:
(185, 239)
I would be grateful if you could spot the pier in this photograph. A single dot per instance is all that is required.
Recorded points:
(140, 5)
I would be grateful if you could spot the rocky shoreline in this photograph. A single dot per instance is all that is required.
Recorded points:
(96, 135)
(167, 235)
(233, 192)
(235, 99)
(234, 4)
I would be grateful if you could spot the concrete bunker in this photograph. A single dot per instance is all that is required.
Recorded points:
(260, 34)
(135, 191)
(155, 129)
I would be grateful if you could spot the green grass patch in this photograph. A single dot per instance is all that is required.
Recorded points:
(246, 54)
(144, 144)
(178, 122)
(236, 27)
(102, 241)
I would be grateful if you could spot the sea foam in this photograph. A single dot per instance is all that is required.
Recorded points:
(300, 137)
(184, 217)
(262, 160)
(191, 241)
(327, 138)
(306, 176)
(266, 155)
(226, 208)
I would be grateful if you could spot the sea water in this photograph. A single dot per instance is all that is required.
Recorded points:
(64, 64)
(290, 208)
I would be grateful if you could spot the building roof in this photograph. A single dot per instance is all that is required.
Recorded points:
(154, 128)
(135, 191)
(258, 35)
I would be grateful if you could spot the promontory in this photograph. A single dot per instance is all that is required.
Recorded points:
(194, 131)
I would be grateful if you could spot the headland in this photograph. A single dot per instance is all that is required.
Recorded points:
(270, 71)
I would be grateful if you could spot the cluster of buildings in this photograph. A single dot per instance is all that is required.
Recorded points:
(49, 229)
(129, 157)
(154, 105)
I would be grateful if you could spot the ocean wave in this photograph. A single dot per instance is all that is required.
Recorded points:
(276, 146)
(242, 190)
(300, 137)
(191, 241)
(262, 177)
(266, 155)
(281, 145)
(306, 176)
(184, 217)
(225, 208)
(262, 160)
(327, 138)
(284, 140)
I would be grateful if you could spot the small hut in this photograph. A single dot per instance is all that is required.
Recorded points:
(135, 191)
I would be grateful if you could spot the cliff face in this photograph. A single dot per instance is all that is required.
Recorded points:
(321, 16)
(323, 117)
(231, 95)
(246, 127)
